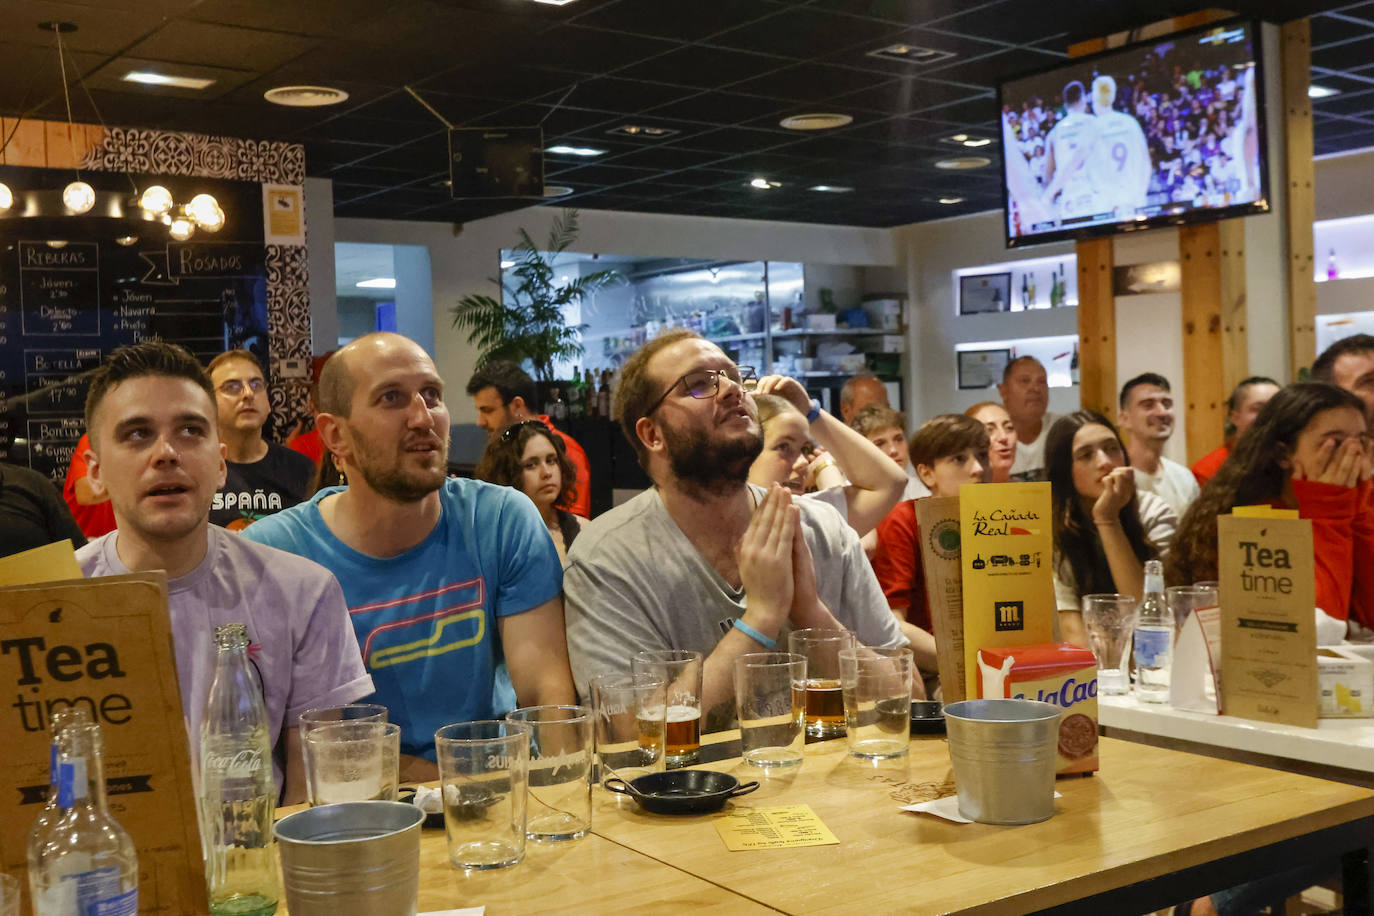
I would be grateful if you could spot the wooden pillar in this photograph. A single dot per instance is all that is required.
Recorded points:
(1096, 327)
(1300, 211)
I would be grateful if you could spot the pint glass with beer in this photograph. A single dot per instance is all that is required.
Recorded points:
(680, 670)
(824, 699)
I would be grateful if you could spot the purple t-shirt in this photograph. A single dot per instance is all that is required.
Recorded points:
(300, 637)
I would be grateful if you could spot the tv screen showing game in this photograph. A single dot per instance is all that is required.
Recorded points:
(1165, 131)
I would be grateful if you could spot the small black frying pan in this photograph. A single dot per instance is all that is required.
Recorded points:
(681, 791)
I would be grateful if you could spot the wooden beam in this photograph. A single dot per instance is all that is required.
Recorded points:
(1235, 344)
(1199, 251)
(1301, 209)
(1096, 326)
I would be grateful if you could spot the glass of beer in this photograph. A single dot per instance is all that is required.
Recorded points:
(483, 768)
(353, 761)
(824, 700)
(628, 712)
(877, 701)
(680, 669)
(770, 695)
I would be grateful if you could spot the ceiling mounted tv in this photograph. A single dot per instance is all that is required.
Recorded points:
(1161, 132)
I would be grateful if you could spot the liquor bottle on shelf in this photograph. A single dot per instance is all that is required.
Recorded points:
(237, 793)
(88, 863)
(1154, 638)
(1333, 270)
(558, 408)
(1025, 291)
(1073, 367)
(603, 395)
(52, 812)
(1032, 291)
(575, 403)
(1054, 289)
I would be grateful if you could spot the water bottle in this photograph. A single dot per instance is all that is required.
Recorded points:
(237, 793)
(87, 865)
(1154, 639)
(52, 812)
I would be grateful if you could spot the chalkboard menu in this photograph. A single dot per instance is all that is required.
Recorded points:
(72, 289)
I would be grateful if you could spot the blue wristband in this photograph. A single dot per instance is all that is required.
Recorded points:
(755, 635)
(811, 417)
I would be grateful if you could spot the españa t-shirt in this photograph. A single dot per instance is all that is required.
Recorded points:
(427, 619)
(257, 489)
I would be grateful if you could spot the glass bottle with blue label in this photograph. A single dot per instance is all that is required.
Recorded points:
(87, 865)
(1154, 639)
(52, 812)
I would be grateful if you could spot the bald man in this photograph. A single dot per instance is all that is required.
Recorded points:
(859, 392)
(434, 569)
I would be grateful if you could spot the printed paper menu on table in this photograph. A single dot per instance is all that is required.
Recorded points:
(1268, 628)
(1006, 542)
(782, 827)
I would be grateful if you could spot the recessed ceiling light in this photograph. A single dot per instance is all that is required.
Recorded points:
(557, 190)
(966, 140)
(977, 141)
(830, 188)
(763, 184)
(822, 121)
(642, 131)
(911, 54)
(575, 151)
(305, 96)
(1321, 92)
(149, 78)
(960, 163)
(507, 265)
(949, 200)
(378, 283)
(554, 2)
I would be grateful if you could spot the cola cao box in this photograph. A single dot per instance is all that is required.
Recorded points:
(1059, 673)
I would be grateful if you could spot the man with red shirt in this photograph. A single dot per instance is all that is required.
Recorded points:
(502, 393)
(1242, 408)
(90, 504)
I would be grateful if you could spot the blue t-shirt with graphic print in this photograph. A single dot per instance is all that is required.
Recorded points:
(426, 619)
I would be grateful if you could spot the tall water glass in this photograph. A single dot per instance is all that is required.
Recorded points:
(876, 683)
(824, 701)
(1110, 622)
(1184, 599)
(353, 761)
(560, 774)
(770, 697)
(483, 769)
(681, 670)
(628, 712)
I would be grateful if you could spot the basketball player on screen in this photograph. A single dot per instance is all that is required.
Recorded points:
(1069, 187)
(1242, 144)
(1120, 162)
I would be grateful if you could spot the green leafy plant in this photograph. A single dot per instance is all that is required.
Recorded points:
(528, 323)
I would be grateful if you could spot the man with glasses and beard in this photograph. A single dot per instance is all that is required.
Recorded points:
(440, 574)
(704, 560)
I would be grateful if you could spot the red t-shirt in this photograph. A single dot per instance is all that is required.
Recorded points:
(310, 445)
(1343, 546)
(897, 564)
(1207, 466)
(92, 520)
(582, 500)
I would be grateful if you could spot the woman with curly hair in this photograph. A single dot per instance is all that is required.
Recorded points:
(1103, 530)
(1307, 450)
(532, 459)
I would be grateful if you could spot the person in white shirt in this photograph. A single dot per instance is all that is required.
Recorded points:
(1069, 186)
(1146, 412)
(1120, 162)
(1025, 393)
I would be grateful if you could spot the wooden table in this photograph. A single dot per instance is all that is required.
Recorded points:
(1341, 749)
(1155, 827)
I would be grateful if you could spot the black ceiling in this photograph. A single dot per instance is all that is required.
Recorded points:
(721, 73)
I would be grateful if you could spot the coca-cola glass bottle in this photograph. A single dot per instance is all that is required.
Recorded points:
(237, 793)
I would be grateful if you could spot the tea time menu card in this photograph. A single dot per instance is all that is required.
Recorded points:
(1006, 542)
(1268, 629)
(783, 827)
(938, 521)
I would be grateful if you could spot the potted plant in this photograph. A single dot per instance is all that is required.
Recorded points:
(528, 322)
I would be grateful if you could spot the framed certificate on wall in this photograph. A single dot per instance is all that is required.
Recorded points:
(981, 368)
(983, 293)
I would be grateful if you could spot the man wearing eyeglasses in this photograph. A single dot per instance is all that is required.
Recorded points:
(263, 477)
(703, 560)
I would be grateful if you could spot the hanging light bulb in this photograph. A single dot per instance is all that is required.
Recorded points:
(202, 208)
(126, 240)
(216, 222)
(6, 197)
(156, 199)
(78, 196)
(181, 229)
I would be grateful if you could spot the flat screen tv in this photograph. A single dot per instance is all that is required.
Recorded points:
(1155, 133)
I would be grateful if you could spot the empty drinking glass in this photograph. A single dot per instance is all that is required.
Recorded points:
(560, 770)
(770, 697)
(482, 771)
(877, 700)
(1110, 622)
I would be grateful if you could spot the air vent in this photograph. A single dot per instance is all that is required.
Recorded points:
(822, 121)
(911, 54)
(305, 96)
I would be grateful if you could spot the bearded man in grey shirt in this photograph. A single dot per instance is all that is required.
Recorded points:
(703, 560)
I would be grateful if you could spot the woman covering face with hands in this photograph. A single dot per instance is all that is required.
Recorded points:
(1103, 530)
(1308, 450)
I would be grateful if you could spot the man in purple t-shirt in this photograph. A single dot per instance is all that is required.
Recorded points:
(155, 449)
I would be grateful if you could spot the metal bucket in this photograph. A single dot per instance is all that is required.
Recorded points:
(1003, 753)
(351, 859)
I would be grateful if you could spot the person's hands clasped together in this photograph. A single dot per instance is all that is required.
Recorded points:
(765, 555)
(1344, 463)
(1118, 489)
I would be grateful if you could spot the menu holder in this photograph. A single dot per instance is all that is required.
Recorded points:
(1006, 545)
(938, 520)
(1268, 626)
(106, 644)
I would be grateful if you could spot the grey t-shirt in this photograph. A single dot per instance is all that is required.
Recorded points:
(634, 582)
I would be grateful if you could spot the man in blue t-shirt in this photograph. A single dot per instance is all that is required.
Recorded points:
(440, 574)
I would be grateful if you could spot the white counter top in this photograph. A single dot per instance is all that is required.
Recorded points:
(1344, 743)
